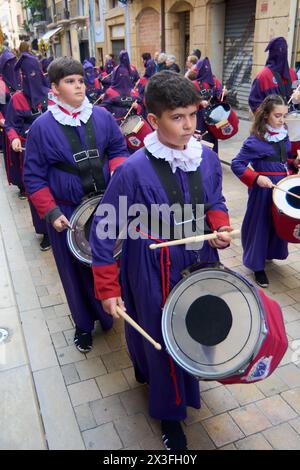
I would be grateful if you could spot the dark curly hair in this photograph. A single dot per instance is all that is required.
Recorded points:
(168, 90)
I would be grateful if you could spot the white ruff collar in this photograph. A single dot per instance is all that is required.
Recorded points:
(275, 135)
(187, 160)
(68, 118)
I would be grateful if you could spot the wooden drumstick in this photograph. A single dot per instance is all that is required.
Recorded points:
(297, 89)
(196, 239)
(136, 85)
(137, 327)
(285, 191)
(223, 92)
(125, 117)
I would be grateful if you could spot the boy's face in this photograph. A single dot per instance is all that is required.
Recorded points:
(70, 90)
(175, 127)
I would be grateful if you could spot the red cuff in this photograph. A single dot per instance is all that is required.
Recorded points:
(43, 201)
(217, 219)
(106, 281)
(115, 162)
(12, 134)
(1, 116)
(249, 177)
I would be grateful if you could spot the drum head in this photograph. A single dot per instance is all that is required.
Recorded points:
(78, 239)
(130, 124)
(293, 124)
(286, 203)
(217, 113)
(213, 323)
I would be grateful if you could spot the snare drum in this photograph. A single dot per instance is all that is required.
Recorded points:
(78, 238)
(293, 125)
(135, 129)
(218, 326)
(221, 121)
(286, 209)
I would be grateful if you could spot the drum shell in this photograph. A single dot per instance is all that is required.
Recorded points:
(293, 125)
(285, 226)
(252, 348)
(286, 217)
(272, 350)
(228, 130)
(135, 141)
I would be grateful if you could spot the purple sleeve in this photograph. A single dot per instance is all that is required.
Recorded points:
(105, 268)
(14, 122)
(256, 96)
(246, 155)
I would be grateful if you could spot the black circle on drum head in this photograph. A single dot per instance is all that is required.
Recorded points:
(291, 200)
(208, 320)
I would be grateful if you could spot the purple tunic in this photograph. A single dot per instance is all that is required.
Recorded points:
(259, 239)
(141, 277)
(50, 187)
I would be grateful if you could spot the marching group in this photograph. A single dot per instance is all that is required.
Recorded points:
(71, 130)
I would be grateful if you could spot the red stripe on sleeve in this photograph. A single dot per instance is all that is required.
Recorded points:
(249, 177)
(43, 201)
(217, 219)
(115, 162)
(106, 281)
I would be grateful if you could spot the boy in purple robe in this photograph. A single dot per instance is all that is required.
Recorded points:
(210, 90)
(267, 150)
(57, 182)
(147, 277)
(24, 107)
(150, 69)
(276, 77)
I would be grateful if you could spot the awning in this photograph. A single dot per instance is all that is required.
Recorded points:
(50, 33)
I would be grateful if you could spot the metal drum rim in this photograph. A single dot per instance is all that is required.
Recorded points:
(74, 217)
(207, 375)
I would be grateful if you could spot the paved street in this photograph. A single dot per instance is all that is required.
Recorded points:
(54, 397)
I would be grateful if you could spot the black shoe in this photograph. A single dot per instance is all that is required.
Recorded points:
(22, 195)
(83, 341)
(45, 244)
(261, 278)
(173, 436)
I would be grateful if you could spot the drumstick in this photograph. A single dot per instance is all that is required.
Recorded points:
(297, 89)
(106, 76)
(124, 118)
(223, 91)
(196, 239)
(200, 132)
(100, 98)
(136, 85)
(285, 191)
(137, 327)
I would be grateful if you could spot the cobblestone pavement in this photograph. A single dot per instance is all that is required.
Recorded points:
(52, 396)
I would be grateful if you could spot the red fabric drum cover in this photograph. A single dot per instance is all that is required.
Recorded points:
(220, 113)
(272, 350)
(135, 129)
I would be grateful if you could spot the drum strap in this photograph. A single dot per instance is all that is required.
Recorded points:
(89, 166)
(175, 196)
(285, 90)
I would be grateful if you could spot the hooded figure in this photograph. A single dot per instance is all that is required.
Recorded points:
(210, 89)
(10, 76)
(276, 77)
(89, 74)
(25, 106)
(93, 89)
(125, 62)
(150, 69)
(45, 63)
(204, 72)
(277, 60)
(34, 83)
